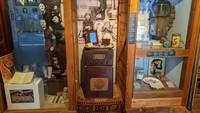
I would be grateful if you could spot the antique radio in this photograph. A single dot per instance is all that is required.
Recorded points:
(97, 73)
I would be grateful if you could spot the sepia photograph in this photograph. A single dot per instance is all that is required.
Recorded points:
(100, 15)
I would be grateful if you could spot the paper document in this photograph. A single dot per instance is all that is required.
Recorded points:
(22, 78)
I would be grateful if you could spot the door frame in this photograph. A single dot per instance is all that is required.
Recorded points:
(194, 77)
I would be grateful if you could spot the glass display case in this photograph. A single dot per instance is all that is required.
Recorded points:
(97, 35)
(160, 48)
(136, 53)
(161, 52)
(39, 41)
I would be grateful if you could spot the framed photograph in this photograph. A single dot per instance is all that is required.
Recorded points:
(22, 96)
(92, 37)
(156, 66)
(176, 40)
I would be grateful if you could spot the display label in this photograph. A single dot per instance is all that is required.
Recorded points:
(99, 56)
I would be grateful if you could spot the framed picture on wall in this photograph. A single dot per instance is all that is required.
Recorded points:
(156, 66)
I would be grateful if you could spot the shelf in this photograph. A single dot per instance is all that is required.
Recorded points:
(53, 108)
(179, 52)
(157, 94)
(145, 96)
(145, 91)
(171, 109)
(156, 102)
(145, 50)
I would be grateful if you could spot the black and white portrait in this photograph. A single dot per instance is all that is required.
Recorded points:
(54, 35)
(156, 66)
(99, 15)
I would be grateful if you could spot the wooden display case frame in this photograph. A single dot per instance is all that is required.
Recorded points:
(114, 104)
(5, 45)
(125, 56)
(181, 97)
(69, 33)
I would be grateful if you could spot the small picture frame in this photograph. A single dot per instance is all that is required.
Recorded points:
(156, 66)
(176, 40)
(22, 96)
(92, 37)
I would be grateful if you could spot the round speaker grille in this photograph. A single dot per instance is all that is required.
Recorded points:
(99, 84)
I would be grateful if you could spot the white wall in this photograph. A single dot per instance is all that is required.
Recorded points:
(180, 26)
(181, 21)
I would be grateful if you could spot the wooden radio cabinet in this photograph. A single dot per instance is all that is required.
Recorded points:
(97, 72)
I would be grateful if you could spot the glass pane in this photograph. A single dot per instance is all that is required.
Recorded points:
(39, 47)
(161, 43)
(56, 84)
(167, 70)
(97, 38)
(160, 23)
